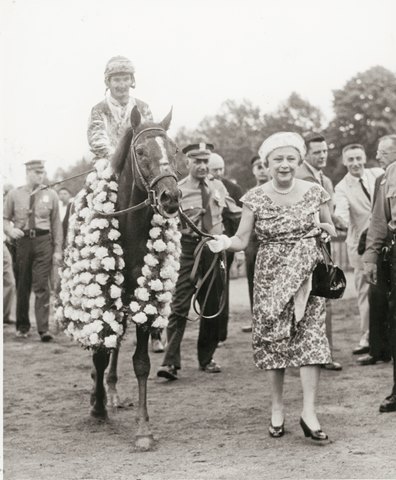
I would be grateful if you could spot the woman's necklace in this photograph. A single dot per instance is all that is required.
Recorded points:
(283, 192)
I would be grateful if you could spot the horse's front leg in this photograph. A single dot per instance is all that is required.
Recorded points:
(111, 380)
(98, 396)
(141, 366)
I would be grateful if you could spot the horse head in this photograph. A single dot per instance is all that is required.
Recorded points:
(152, 157)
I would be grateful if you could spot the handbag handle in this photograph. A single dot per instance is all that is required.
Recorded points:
(326, 254)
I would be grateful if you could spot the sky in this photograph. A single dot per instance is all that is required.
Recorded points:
(189, 54)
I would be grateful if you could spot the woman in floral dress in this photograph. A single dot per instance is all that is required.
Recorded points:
(287, 215)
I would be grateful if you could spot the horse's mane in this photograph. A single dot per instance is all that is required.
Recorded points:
(121, 153)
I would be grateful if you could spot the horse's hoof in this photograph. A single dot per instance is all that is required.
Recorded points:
(100, 414)
(114, 401)
(144, 443)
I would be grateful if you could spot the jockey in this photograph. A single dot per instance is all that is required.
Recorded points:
(110, 118)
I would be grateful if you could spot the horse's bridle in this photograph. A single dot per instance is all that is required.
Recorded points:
(152, 198)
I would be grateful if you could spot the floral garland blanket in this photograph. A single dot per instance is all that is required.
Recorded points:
(90, 307)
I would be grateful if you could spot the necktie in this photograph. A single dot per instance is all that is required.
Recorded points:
(321, 177)
(365, 191)
(207, 214)
(32, 220)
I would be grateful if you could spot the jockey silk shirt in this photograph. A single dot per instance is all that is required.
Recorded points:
(219, 200)
(108, 122)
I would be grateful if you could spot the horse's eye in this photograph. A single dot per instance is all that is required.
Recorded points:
(139, 150)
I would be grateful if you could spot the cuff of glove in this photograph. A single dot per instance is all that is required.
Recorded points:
(226, 241)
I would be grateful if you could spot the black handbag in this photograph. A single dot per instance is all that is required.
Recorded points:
(328, 280)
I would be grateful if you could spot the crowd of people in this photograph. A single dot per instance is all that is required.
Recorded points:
(280, 224)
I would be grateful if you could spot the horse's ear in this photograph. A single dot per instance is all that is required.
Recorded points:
(136, 118)
(167, 120)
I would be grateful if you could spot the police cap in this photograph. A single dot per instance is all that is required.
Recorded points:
(37, 165)
(200, 150)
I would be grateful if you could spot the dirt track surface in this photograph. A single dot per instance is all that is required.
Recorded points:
(205, 426)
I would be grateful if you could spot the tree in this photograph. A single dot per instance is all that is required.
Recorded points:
(365, 110)
(238, 130)
(295, 115)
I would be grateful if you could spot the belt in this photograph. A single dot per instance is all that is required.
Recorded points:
(35, 232)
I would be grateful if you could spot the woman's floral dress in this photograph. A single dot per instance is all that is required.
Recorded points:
(285, 260)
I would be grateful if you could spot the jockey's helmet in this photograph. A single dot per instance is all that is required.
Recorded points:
(118, 65)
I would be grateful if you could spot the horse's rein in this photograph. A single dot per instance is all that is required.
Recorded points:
(217, 267)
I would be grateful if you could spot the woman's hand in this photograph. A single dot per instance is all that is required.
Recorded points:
(219, 243)
(327, 229)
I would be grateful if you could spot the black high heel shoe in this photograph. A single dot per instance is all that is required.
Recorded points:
(276, 432)
(316, 435)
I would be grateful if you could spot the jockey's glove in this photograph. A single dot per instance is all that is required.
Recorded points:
(219, 243)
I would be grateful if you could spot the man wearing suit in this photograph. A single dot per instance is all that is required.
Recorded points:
(311, 171)
(353, 202)
(216, 169)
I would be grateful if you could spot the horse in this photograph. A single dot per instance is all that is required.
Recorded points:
(144, 162)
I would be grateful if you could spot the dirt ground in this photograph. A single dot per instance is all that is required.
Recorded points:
(205, 426)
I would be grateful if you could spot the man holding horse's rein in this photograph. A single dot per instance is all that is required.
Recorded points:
(31, 219)
(204, 201)
(110, 118)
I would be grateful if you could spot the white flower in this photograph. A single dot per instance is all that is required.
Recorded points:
(158, 219)
(150, 310)
(115, 222)
(95, 264)
(114, 234)
(164, 297)
(108, 207)
(146, 271)
(91, 177)
(150, 260)
(155, 232)
(86, 277)
(101, 164)
(94, 339)
(96, 326)
(107, 173)
(59, 313)
(111, 341)
(93, 290)
(108, 317)
(139, 318)
(101, 252)
(160, 322)
(134, 306)
(115, 292)
(113, 186)
(85, 252)
(165, 311)
(79, 240)
(169, 285)
(96, 312)
(121, 263)
(100, 302)
(117, 249)
(142, 294)
(108, 263)
(85, 213)
(156, 285)
(167, 272)
(112, 197)
(102, 278)
(141, 281)
(118, 304)
(159, 246)
(119, 278)
(100, 197)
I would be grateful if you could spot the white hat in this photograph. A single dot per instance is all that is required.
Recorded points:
(282, 139)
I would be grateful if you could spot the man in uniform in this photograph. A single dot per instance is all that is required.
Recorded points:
(216, 169)
(110, 118)
(203, 200)
(311, 171)
(382, 234)
(31, 218)
(260, 173)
